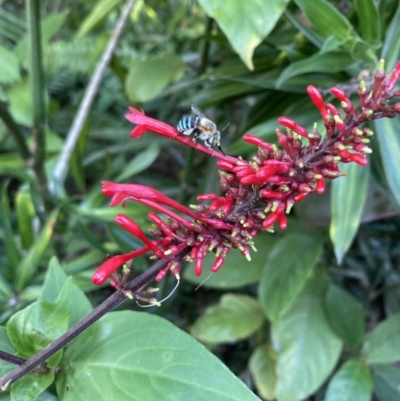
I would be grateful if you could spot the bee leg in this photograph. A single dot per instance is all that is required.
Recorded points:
(219, 147)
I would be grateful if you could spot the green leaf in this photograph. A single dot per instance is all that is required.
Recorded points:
(142, 354)
(49, 25)
(329, 23)
(20, 102)
(327, 62)
(30, 386)
(383, 345)
(54, 281)
(245, 23)
(391, 45)
(307, 348)
(262, 367)
(9, 66)
(5, 345)
(386, 382)
(389, 144)
(236, 271)
(29, 264)
(98, 13)
(234, 318)
(369, 21)
(140, 162)
(25, 210)
(344, 316)
(348, 195)
(352, 382)
(11, 248)
(35, 327)
(146, 81)
(289, 265)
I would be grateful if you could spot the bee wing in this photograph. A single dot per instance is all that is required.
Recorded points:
(197, 111)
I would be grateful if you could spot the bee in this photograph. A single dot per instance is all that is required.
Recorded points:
(202, 128)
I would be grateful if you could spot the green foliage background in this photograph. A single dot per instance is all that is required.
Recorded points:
(315, 315)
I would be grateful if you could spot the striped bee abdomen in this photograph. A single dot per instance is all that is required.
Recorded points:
(187, 123)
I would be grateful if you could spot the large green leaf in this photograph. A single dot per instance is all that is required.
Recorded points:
(236, 271)
(147, 78)
(307, 348)
(234, 318)
(369, 21)
(289, 265)
(391, 46)
(383, 345)
(352, 382)
(245, 23)
(344, 316)
(348, 195)
(386, 382)
(6, 346)
(262, 366)
(143, 356)
(30, 386)
(389, 144)
(329, 23)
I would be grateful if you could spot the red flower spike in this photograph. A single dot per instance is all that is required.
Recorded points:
(318, 100)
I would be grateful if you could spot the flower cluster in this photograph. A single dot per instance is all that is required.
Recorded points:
(258, 193)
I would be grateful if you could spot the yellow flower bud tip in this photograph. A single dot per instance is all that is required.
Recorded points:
(211, 247)
(363, 87)
(317, 176)
(167, 252)
(270, 230)
(370, 133)
(218, 252)
(246, 225)
(248, 257)
(337, 119)
(274, 148)
(240, 247)
(193, 207)
(310, 136)
(369, 113)
(365, 140)
(336, 158)
(381, 66)
(240, 163)
(358, 132)
(153, 257)
(253, 248)
(128, 294)
(288, 209)
(300, 165)
(234, 233)
(367, 150)
(177, 276)
(153, 290)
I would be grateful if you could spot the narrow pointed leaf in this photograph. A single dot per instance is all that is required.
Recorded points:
(386, 382)
(391, 45)
(369, 21)
(348, 196)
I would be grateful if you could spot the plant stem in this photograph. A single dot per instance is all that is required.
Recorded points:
(110, 303)
(38, 99)
(16, 360)
(15, 132)
(61, 168)
(206, 47)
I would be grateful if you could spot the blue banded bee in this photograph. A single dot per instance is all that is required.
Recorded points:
(201, 128)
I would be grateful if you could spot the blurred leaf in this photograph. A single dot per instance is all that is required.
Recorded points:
(9, 66)
(29, 264)
(348, 196)
(11, 248)
(140, 162)
(35, 327)
(236, 271)
(329, 22)
(369, 21)
(327, 62)
(98, 13)
(391, 45)
(77, 168)
(383, 344)
(386, 382)
(5, 345)
(289, 265)
(307, 348)
(262, 366)
(344, 316)
(25, 214)
(353, 381)
(179, 372)
(391, 292)
(50, 25)
(20, 105)
(234, 318)
(147, 78)
(389, 144)
(30, 386)
(247, 32)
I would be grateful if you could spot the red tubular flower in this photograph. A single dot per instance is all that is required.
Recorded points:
(321, 185)
(291, 124)
(106, 269)
(394, 76)
(318, 100)
(255, 140)
(219, 261)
